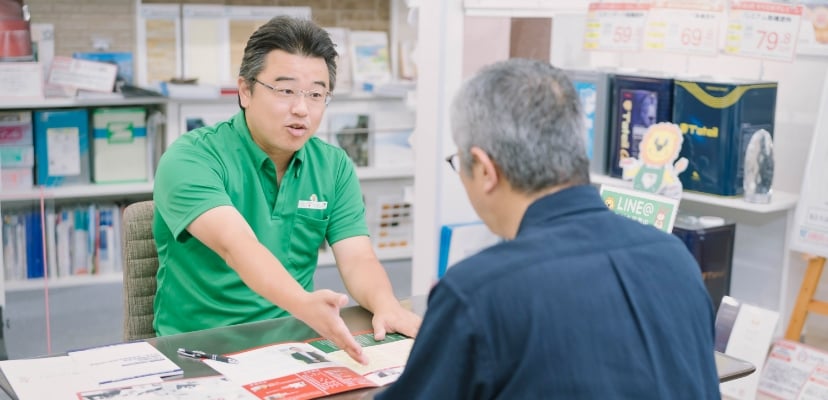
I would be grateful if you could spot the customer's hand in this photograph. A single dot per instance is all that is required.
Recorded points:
(395, 318)
(320, 310)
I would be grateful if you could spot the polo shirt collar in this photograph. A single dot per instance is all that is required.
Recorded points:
(255, 152)
(572, 200)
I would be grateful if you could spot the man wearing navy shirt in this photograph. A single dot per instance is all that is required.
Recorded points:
(578, 302)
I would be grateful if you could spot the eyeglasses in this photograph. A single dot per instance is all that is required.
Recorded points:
(288, 94)
(451, 161)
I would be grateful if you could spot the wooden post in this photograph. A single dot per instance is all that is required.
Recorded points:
(805, 300)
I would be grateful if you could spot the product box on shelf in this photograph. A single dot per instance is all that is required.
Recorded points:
(637, 103)
(62, 147)
(710, 240)
(15, 128)
(119, 147)
(593, 90)
(16, 156)
(16, 179)
(717, 120)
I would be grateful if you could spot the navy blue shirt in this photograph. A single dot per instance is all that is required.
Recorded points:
(582, 304)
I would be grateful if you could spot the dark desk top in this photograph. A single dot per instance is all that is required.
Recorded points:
(231, 339)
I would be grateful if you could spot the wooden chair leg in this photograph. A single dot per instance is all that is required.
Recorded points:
(805, 300)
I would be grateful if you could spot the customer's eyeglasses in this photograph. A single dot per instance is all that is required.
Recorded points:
(451, 160)
(290, 94)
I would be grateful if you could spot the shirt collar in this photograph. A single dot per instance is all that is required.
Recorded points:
(256, 153)
(572, 200)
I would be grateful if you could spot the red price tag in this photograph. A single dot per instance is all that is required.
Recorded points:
(763, 30)
(684, 30)
(615, 26)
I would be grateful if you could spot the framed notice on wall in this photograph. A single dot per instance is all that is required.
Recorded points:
(810, 233)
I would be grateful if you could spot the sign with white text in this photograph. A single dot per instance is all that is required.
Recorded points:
(647, 208)
(615, 26)
(763, 30)
(83, 74)
(684, 29)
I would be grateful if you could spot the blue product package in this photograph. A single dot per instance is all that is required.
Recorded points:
(717, 120)
(637, 103)
(593, 91)
(61, 147)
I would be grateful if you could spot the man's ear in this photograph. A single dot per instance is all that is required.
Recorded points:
(488, 172)
(244, 92)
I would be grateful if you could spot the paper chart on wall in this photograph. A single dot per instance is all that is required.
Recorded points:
(239, 32)
(159, 40)
(244, 20)
(205, 44)
(810, 232)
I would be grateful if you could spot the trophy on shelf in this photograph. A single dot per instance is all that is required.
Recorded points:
(758, 176)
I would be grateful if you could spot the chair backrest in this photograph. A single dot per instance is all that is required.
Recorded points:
(140, 267)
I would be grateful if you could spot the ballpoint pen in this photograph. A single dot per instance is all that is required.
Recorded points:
(206, 356)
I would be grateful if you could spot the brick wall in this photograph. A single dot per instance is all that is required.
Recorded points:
(79, 22)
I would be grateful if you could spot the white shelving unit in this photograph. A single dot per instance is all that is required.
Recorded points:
(781, 201)
(82, 102)
(68, 281)
(93, 191)
(326, 259)
(396, 115)
(765, 272)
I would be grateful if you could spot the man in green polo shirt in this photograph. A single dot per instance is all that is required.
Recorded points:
(242, 207)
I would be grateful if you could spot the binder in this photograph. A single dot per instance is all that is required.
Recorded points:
(459, 241)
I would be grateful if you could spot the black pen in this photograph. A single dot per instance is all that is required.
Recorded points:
(206, 356)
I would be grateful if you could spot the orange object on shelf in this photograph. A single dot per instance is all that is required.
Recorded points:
(15, 33)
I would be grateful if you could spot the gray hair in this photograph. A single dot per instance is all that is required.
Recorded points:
(527, 117)
(292, 35)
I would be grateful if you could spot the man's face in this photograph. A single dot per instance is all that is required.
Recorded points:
(281, 124)
(476, 190)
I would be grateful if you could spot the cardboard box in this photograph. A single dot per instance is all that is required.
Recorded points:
(593, 89)
(119, 147)
(717, 120)
(62, 147)
(637, 103)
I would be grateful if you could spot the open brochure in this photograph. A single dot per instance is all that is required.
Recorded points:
(295, 370)
(316, 368)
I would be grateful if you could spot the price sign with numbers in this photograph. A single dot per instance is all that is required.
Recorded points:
(615, 26)
(763, 30)
(689, 30)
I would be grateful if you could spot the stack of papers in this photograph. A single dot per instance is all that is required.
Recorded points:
(97, 368)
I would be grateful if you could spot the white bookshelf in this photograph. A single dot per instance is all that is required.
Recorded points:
(781, 201)
(90, 192)
(67, 281)
(72, 102)
(377, 173)
(326, 259)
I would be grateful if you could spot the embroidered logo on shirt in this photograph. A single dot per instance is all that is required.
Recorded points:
(313, 203)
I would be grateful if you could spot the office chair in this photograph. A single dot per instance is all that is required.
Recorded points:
(140, 266)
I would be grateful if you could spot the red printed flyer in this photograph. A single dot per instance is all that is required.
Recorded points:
(316, 368)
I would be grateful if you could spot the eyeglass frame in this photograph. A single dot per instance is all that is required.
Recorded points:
(299, 92)
(450, 160)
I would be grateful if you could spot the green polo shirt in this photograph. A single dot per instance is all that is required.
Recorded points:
(319, 198)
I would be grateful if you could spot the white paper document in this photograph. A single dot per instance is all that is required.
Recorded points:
(54, 378)
(123, 362)
(749, 341)
(209, 388)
